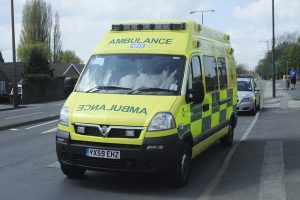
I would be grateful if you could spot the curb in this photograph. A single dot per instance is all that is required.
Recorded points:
(12, 108)
(29, 122)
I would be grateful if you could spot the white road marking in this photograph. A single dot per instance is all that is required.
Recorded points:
(13, 129)
(244, 137)
(41, 124)
(212, 185)
(54, 165)
(49, 131)
(272, 183)
(24, 115)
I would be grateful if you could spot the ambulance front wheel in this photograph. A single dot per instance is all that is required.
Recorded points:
(227, 139)
(180, 175)
(71, 172)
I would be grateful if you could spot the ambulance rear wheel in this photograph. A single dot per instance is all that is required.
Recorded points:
(180, 175)
(227, 139)
(71, 172)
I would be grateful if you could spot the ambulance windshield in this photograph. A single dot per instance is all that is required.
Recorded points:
(133, 74)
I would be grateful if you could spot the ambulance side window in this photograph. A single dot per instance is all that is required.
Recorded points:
(222, 73)
(195, 72)
(210, 68)
(196, 66)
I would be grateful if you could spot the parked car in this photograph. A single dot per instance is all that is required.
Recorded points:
(249, 97)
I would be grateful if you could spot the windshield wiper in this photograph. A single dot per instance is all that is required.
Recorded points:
(146, 89)
(99, 87)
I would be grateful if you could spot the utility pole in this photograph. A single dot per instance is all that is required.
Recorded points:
(273, 49)
(15, 87)
(287, 67)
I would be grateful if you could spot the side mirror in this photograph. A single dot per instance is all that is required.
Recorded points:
(196, 95)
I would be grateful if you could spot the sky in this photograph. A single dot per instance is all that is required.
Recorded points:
(83, 23)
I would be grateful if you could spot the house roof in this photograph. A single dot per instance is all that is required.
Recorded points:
(8, 70)
(61, 69)
(58, 69)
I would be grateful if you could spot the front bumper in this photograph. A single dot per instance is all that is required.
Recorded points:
(134, 158)
(245, 106)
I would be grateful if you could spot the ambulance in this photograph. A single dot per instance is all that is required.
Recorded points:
(153, 96)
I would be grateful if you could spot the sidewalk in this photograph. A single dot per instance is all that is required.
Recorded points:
(284, 99)
(275, 140)
(5, 106)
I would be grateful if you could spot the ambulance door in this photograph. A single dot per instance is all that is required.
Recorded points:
(210, 119)
(226, 94)
(196, 107)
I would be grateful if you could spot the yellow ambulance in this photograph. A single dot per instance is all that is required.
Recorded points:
(153, 95)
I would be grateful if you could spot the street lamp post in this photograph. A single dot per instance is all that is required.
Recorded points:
(273, 48)
(201, 11)
(267, 42)
(15, 88)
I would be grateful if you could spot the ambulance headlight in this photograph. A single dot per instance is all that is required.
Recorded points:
(64, 116)
(162, 121)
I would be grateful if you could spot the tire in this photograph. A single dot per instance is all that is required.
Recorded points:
(253, 112)
(71, 172)
(258, 106)
(227, 140)
(180, 174)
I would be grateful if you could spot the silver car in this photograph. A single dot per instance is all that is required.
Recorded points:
(248, 95)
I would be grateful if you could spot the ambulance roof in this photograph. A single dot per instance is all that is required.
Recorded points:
(157, 36)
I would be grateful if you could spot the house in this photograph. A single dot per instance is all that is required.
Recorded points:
(67, 70)
(6, 73)
(6, 76)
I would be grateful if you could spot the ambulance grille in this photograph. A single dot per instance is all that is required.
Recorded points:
(110, 132)
(98, 144)
(104, 163)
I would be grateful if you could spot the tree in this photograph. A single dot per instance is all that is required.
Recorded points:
(24, 51)
(242, 69)
(287, 52)
(34, 48)
(36, 29)
(36, 22)
(36, 59)
(69, 56)
(57, 45)
(1, 58)
(37, 63)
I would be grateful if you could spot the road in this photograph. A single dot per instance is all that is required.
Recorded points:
(262, 164)
(27, 114)
(28, 170)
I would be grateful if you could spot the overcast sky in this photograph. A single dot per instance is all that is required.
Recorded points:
(83, 23)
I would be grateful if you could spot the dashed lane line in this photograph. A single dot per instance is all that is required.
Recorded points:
(41, 124)
(54, 165)
(49, 131)
(18, 116)
(272, 183)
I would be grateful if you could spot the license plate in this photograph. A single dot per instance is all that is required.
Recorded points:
(102, 153)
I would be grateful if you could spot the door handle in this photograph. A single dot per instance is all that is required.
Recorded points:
(224, 101)
(205, 107)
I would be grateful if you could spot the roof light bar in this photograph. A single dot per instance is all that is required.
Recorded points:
(129, 27)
